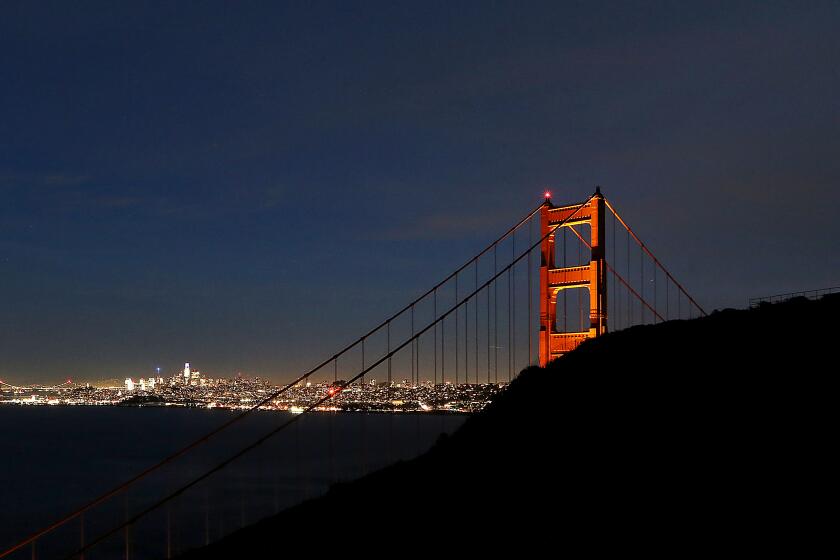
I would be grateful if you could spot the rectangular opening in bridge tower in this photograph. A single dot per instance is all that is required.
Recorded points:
(553, 279)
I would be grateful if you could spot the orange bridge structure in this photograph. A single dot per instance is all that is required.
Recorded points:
(556, 278)
(591, 276)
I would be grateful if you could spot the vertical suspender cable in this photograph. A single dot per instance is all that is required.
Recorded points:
(183, 450)
(476, 322)
(388, 392)
(615, 263)
(169, 530)
(513, 312)
(580, 292)
(495, 317)
(456, 330)
(331, 419)
(655, 306)
(417, 368)
(434, 312)
(656, 262)
(488, 334)
(629, 301)
(413, 348)
(467, 342)
(362, 416)
(298, 476)
(127, 530)
(565, 292)
(443, 351)
(510, 327)
(530, 287)
(642, 281)
(244, 450)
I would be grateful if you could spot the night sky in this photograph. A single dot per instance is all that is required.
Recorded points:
(249, 185)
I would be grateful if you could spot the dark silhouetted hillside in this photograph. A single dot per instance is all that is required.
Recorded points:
(712, 436)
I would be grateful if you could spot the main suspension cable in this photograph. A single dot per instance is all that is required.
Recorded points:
(209, 435)
(618, 276)
(313, 406)
(652, 256)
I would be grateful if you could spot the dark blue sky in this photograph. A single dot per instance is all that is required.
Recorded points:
(249, 185)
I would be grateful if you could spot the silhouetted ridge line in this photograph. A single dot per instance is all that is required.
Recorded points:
(698, 434)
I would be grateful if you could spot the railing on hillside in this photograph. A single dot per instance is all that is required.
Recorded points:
(778, 298)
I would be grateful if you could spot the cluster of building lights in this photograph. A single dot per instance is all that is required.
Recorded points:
(189, 388)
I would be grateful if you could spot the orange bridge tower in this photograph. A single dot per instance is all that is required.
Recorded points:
(592, 277)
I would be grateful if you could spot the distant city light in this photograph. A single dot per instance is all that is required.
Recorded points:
(241, 393)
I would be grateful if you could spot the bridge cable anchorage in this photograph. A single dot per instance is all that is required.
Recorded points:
(179, 491)
(652, 256)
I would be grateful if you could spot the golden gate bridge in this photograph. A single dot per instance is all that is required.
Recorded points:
(561, 275)
(67, 384)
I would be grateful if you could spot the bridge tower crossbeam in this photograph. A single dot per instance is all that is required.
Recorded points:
(553, 279)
